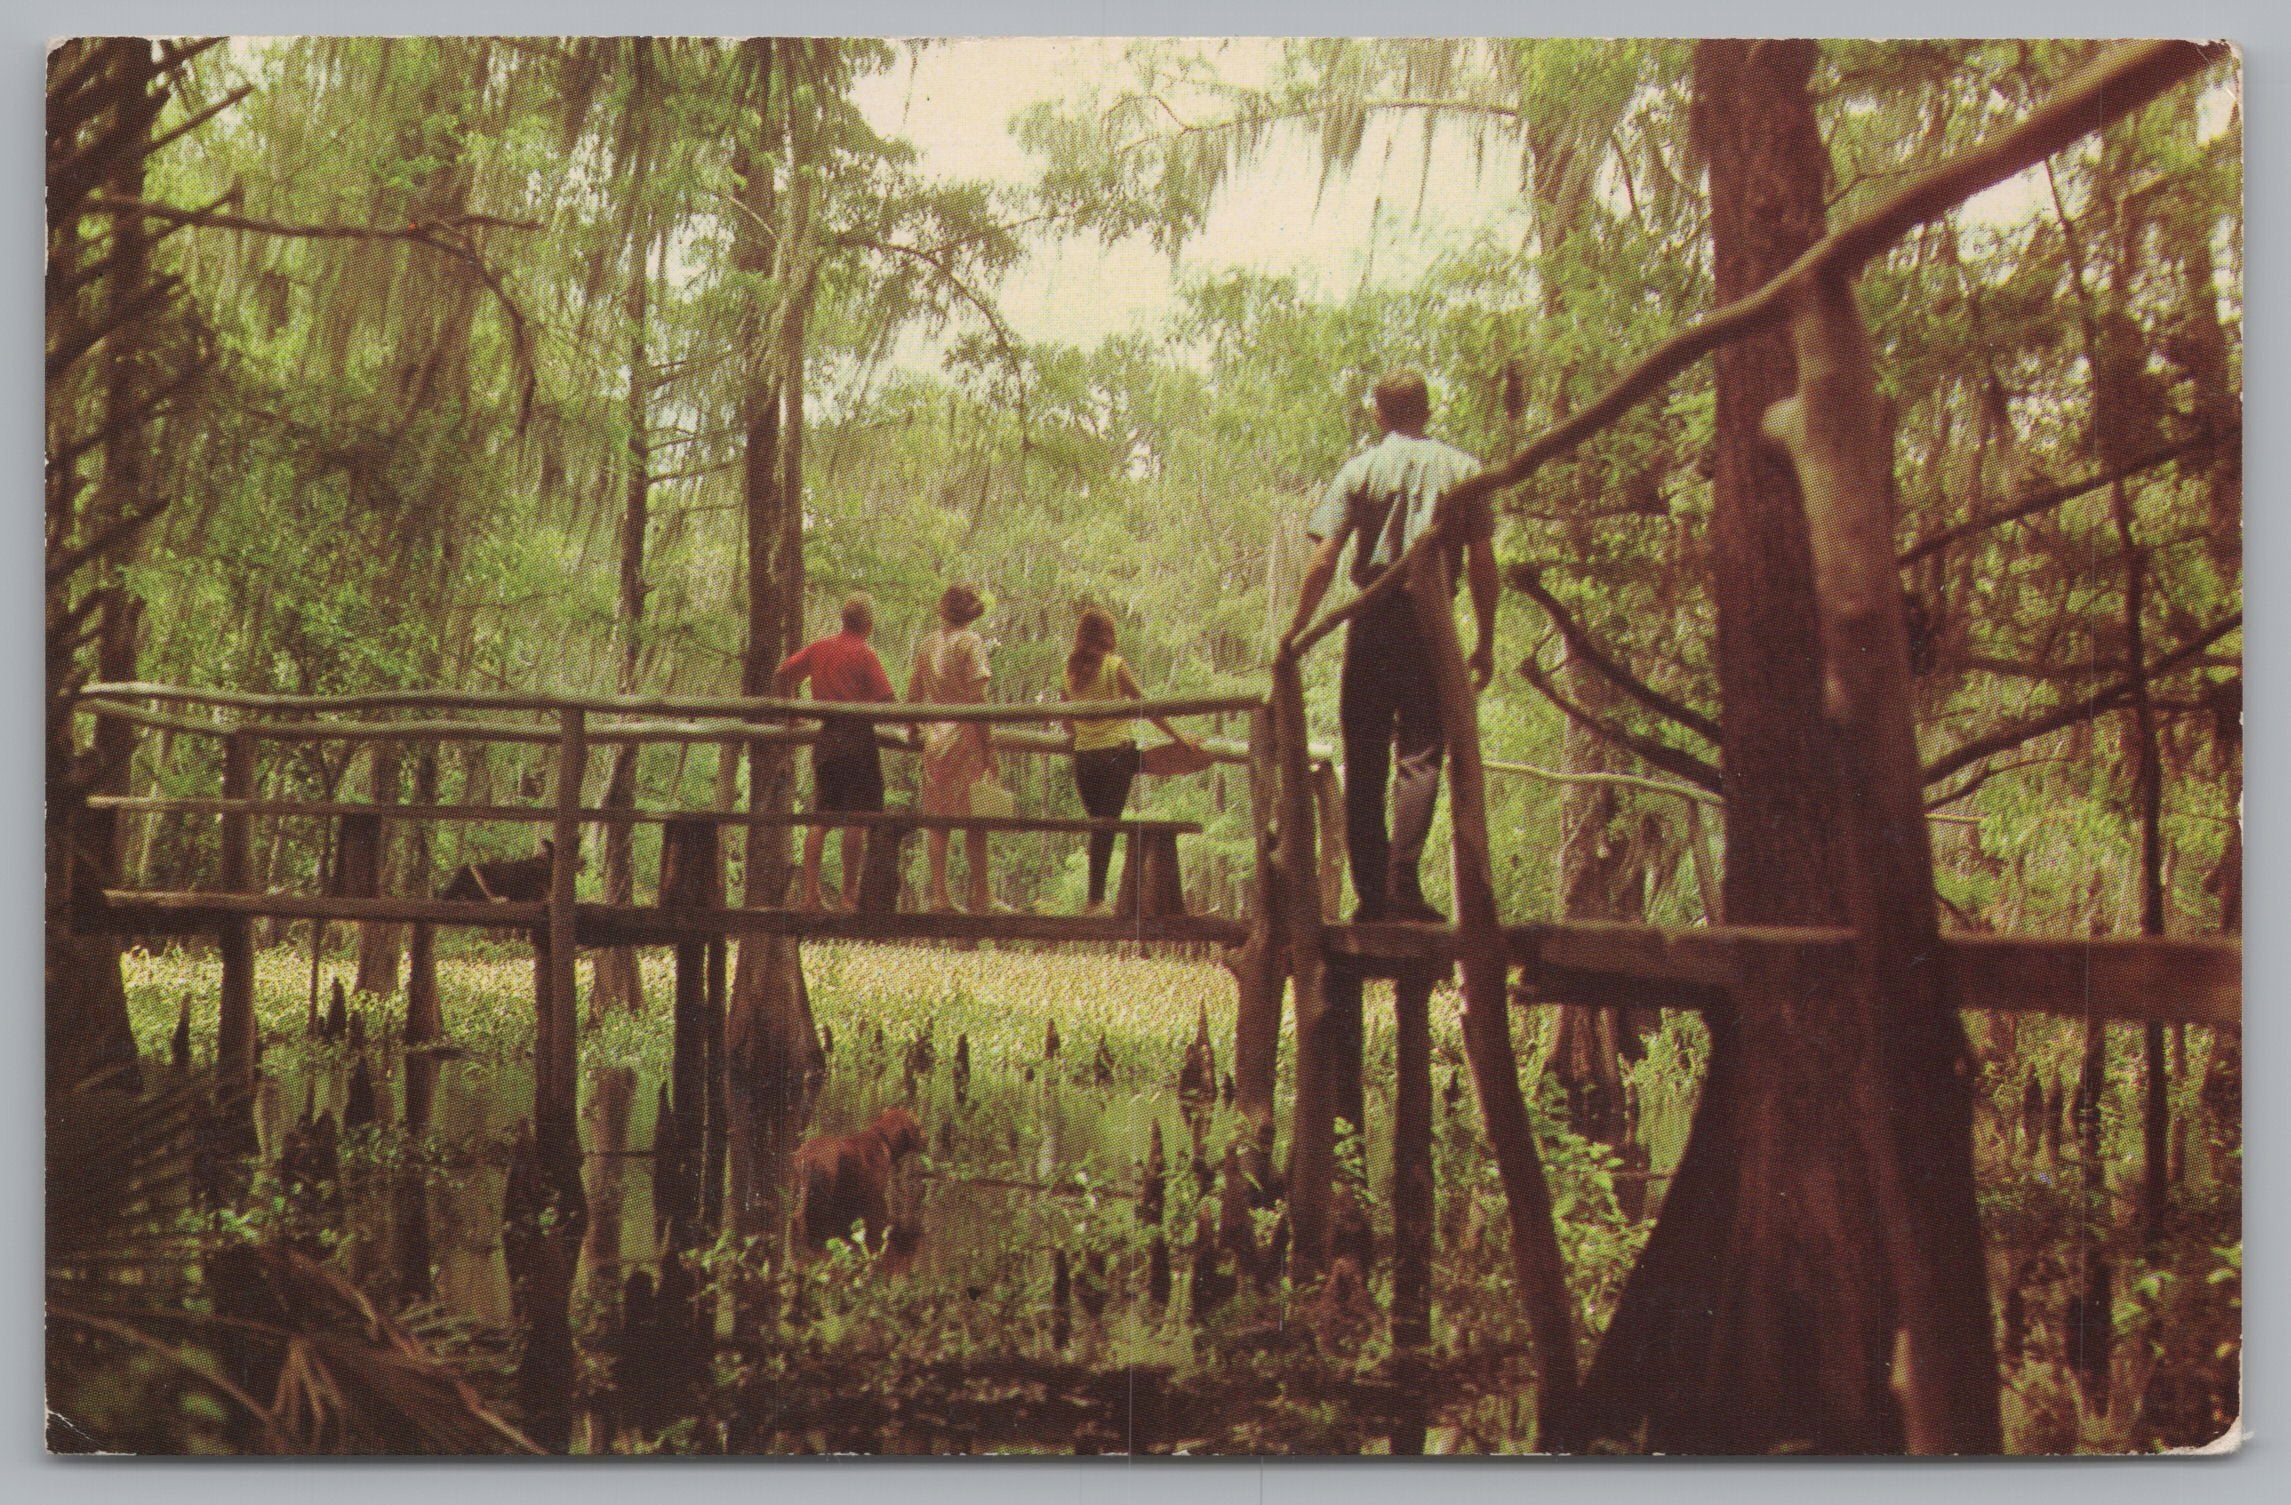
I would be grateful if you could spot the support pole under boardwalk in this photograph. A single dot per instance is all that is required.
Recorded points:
(1312, 1133)
(691, 877)
(425, 1018)
(1256, 965)
(1483, 961)
(1412, 1209)
(235, 1028)
(556, 1126)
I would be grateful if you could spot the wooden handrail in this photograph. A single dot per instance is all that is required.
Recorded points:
(1011, 739)
(624, 815)
(453, 731)
(141, 911)
(663, 705)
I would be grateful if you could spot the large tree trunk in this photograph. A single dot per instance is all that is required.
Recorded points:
(617, 984)
(1760, 1316)
(1913, 1075)
(88, 1033)
(769, 1039)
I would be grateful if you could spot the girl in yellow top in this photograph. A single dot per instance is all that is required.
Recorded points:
(1105, 749)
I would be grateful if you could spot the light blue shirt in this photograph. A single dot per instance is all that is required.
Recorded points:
(1401, 469)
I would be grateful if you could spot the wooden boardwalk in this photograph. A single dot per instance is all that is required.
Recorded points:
(2124, 979)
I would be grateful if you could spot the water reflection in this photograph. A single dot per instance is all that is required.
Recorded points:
(425, 1217)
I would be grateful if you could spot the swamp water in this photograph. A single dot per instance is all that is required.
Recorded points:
(1039, 1310)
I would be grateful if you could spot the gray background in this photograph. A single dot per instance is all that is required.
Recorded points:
(2257, 1473)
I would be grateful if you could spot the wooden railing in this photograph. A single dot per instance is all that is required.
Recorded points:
(559, 922)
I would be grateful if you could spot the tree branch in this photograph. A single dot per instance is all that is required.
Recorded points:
(696, 471)
(1258, 120)
(419, 232)
(200, 119)
(445, 234)
(2053, 496)
(1619, 780)
(79, 342)
(89, 272)
(1943, 801)
(69, 453)
(70, 182)
(2104, 699)
(71, 564)
(173, 55)
(1656, 754)
(1528, 580)
(923, 254)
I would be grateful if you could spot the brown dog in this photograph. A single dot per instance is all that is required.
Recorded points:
(521, 880)
(841, 1179)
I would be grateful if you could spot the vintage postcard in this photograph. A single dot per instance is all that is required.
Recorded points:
(1252, 747)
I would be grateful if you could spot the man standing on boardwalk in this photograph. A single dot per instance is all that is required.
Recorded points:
(1384, 498)
(846, 770)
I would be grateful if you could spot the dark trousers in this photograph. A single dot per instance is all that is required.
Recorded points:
(1102, 777)
(1386, 700)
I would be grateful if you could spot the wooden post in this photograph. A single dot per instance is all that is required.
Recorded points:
(235, 1029)
(1164, 880)
(556, 1126)
(716, 1131)
(1256, 966)
(358, 858)
(1484, 963)
(1916, 1083)
(1412, 1215)
(883, 874)
(1705, 867)
(2156, 1127)
(1129, 893)
(1312, 1143)
(715, 1098)
(378, 940)
(691, 877)
(1151, 885)
(1329, 798)
(425, 1016)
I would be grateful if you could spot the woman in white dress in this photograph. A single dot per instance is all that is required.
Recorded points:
(951, 669)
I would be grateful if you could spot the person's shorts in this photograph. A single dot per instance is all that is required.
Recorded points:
(847, 779)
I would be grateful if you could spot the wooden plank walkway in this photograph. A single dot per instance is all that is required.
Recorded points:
(2172, 980)
(2189, 981)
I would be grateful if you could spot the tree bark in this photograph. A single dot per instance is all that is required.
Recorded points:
(617, 983)
(1759, 1316)
(88, 1033)
(769, 1038)
(1912, 1075)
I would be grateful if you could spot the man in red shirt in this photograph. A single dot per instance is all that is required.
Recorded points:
(846, 771)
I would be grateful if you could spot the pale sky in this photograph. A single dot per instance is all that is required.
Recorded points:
(955, 103)
(955, 99)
